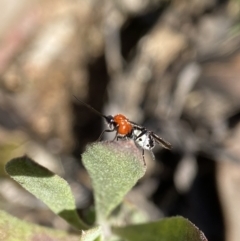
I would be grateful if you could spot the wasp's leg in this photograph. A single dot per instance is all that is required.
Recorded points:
(153, 157)
(143, 157)
(121, 137)
(116, 137)
(99, 138)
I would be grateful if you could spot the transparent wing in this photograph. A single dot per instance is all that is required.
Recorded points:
(161, 141)
(136, 126)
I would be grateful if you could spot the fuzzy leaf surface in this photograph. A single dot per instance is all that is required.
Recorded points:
(114, 168)
(168, 229)
(91, 234)
(13, 229)
(46, 186)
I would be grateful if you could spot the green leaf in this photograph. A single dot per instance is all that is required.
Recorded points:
(47, 186)
(168, 229)
(91, 234)
(128, 213)
(114, 168)
(13, 229)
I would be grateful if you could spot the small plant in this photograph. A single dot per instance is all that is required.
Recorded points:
(114, 168)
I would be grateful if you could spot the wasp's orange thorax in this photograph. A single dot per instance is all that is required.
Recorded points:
(124, 126)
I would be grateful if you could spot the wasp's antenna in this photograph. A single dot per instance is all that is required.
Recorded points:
(91, 108)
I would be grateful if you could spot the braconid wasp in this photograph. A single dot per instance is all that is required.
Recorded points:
(124, 128)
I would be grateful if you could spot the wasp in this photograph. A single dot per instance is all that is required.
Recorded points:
(124, 128)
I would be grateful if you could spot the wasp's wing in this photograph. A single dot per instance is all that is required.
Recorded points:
(136, 126)
(161, 141)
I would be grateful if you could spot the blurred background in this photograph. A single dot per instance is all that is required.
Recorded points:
(170, 65)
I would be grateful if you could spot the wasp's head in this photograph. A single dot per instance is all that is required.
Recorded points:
(111, 122)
